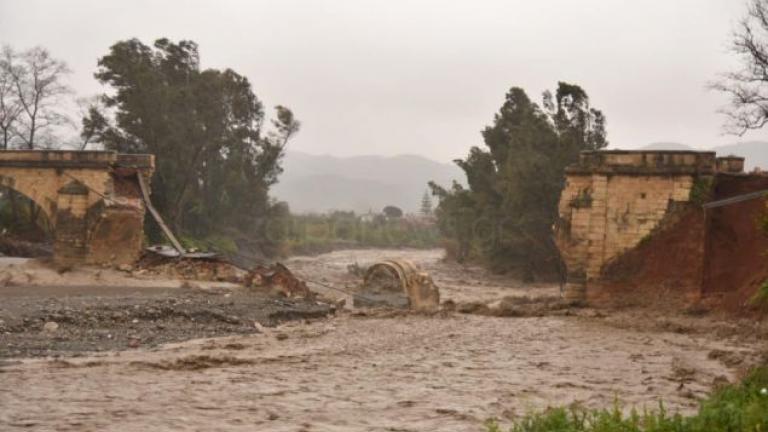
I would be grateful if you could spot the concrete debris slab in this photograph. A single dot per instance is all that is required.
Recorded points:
(398, 284)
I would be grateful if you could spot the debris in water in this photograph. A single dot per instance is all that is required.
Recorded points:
(399, 284)
(50, 326)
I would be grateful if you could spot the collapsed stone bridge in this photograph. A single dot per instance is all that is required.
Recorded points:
(92, 200)
(629, 220)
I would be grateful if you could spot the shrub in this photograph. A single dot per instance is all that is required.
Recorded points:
(740, 407)
(701, 191)
(761, 296)
(312, 234)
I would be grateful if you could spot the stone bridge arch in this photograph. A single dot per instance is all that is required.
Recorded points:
(91, 198)
(29, 190)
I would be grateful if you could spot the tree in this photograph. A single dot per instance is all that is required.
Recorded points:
(94, 121)
(426, 204)
(748, 86)
(392, 212)
(215, 163)
(10, 107)
(36, 79)
(455, 215)
(506, 215)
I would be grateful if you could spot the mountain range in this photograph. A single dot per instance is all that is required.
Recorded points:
(322, 183)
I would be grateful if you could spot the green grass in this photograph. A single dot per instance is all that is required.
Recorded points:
(761, 296)
(216, 243)
(737, 408)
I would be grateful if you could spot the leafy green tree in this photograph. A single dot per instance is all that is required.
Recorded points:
(455, 217)
(505, 217)
(215, 163)
(392, 212)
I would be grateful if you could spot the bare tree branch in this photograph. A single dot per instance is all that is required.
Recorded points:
(36, 78)
(10, 106)
(747, 87)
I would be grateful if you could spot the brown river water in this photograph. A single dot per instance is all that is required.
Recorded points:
(375, 372)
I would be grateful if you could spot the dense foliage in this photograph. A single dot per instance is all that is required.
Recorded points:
(310, 234)
(742, 407)
(506, 214)
(215, 162)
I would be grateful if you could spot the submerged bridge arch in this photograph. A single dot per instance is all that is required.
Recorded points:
(91, 199)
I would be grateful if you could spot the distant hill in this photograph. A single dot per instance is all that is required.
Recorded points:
(755, 152)
(667, 146)
(320, 183)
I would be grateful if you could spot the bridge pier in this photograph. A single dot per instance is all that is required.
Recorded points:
(92, 200)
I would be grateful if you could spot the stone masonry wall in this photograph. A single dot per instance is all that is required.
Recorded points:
(41, 185)
(90, 198)
(613, 200)
(608, 215)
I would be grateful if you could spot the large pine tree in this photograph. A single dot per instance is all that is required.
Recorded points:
(506, 215)
(215, 163)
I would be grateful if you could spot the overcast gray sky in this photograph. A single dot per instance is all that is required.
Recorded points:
(423, 77)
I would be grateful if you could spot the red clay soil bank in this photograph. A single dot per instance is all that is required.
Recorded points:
(664, 268)
(718, 256)
(735, 263)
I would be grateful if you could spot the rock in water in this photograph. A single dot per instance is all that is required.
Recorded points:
(50, 326)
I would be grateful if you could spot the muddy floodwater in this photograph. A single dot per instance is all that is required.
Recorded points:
(382, 371)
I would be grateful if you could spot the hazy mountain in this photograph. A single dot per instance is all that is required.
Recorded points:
(667, 146)
(319, 183)
(755, 152)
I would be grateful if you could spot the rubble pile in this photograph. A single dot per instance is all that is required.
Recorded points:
(209, 269)
(34, 324)
(279, 279)
(275, 278)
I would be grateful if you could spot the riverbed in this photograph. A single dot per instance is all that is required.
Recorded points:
(383, 371)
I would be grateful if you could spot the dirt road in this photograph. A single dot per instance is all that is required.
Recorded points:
(380, 371)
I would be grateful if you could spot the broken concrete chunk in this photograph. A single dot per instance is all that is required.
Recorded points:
(50, 326)
(398, 284)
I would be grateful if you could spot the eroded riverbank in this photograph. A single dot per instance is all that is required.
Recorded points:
(380, 371)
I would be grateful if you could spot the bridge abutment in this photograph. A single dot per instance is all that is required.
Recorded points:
(91, 198)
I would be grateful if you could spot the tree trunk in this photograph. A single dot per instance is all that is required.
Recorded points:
(31, 143)
(14, 205)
